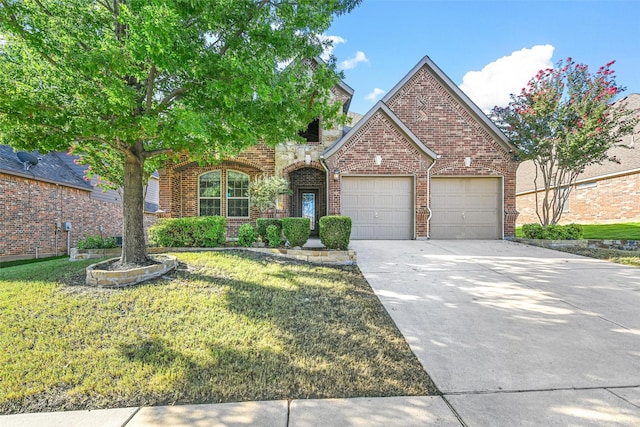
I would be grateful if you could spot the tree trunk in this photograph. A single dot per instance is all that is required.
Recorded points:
(133, 245)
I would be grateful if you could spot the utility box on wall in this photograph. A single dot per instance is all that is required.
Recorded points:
(66, 226)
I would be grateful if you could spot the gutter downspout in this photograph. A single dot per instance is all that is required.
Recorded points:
(429, 201)
(326, 193)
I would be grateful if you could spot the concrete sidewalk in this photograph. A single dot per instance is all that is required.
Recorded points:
(383, 411)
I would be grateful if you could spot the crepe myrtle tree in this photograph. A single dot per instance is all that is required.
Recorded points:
(122, 82)
(564, 121)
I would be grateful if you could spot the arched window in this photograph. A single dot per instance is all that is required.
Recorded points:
(237, 194)
(209, 194)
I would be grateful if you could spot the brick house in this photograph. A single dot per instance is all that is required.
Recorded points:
(35, 202)
(424, 162)
(605, 193)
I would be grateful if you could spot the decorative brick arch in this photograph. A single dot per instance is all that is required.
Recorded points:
(300, 165)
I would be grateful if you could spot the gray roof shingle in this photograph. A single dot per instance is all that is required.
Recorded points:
(50, 169)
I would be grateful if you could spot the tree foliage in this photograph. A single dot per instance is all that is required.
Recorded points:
(564, 121)
(120, 82)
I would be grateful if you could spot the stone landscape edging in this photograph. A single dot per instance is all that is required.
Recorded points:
(627, 245)
(133, 276)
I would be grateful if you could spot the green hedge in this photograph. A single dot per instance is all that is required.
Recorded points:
(335, 231)
(246, 235)
(197, 232)
(263, 223)
(97, 242)
(552, 232)
(274, 236)
(296, 230)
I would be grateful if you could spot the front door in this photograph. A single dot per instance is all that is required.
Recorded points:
(307, 200)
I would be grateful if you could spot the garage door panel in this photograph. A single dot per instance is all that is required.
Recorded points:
(466, 208)
(380, 207)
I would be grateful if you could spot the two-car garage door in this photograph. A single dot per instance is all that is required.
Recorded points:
(462, 208)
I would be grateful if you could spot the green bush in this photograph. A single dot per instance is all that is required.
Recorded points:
(198, 232)
(274, 236)
(97, 242)
(246, 235)
(296, 230)
(552, 232)
(574, 231)
(263, 223)
(335, 231)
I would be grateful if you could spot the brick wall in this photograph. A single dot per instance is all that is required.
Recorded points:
(442, 123)
(605, 201)
(179, 183)
(30, 209)
(400, 156)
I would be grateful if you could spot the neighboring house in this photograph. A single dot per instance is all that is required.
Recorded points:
(424, 162)
(36, 202)
(605, 193)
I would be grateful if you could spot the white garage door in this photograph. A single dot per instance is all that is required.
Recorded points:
(466, 208)
(379, 207)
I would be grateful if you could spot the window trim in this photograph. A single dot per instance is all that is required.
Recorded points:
(227, 197)
(219, 171)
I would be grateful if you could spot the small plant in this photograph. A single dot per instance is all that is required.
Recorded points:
(263, 223)
(335, 231)
(296, 230)
(246, 235)
(266, 190)
(97, 242)
(198, 232)
(274, 236)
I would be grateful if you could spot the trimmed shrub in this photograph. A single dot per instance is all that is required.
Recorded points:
(552, 232)
(274, 236)
(246, 235)
(97, 242)
(335, 231)
(263, 223)
(296, 230)
(198, 232)
(574, 231)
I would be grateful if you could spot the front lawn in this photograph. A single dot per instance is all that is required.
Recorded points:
(227, 326)
(623, 231)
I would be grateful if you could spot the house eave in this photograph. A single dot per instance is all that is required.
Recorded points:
(49, 181)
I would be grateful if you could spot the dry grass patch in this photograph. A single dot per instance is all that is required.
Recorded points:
(227, 326)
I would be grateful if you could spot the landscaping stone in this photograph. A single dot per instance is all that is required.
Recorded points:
(112, 278)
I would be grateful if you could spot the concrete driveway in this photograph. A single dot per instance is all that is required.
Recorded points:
(513, 334)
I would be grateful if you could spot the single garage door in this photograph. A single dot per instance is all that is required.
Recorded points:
(379, 207)
(466, 208)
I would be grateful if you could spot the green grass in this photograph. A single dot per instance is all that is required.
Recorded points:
(6, 264)
(624, 231)
(228, 326)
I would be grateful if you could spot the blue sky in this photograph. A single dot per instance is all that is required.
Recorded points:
(502, 43)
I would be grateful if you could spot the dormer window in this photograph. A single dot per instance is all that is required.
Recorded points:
(312, 134)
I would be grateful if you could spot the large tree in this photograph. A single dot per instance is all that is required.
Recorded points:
(564, 121)
(122, 82)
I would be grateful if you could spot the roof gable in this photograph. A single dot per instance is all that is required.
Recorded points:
(458, 95)
(382, 107)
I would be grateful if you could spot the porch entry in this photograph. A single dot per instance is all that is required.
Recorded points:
(309, 196)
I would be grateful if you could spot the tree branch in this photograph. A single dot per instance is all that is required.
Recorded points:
(166, 101)
(150, 84)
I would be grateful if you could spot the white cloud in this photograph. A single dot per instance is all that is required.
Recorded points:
(351, 63)
(328, 50)
(374, 95)
(497, 80)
